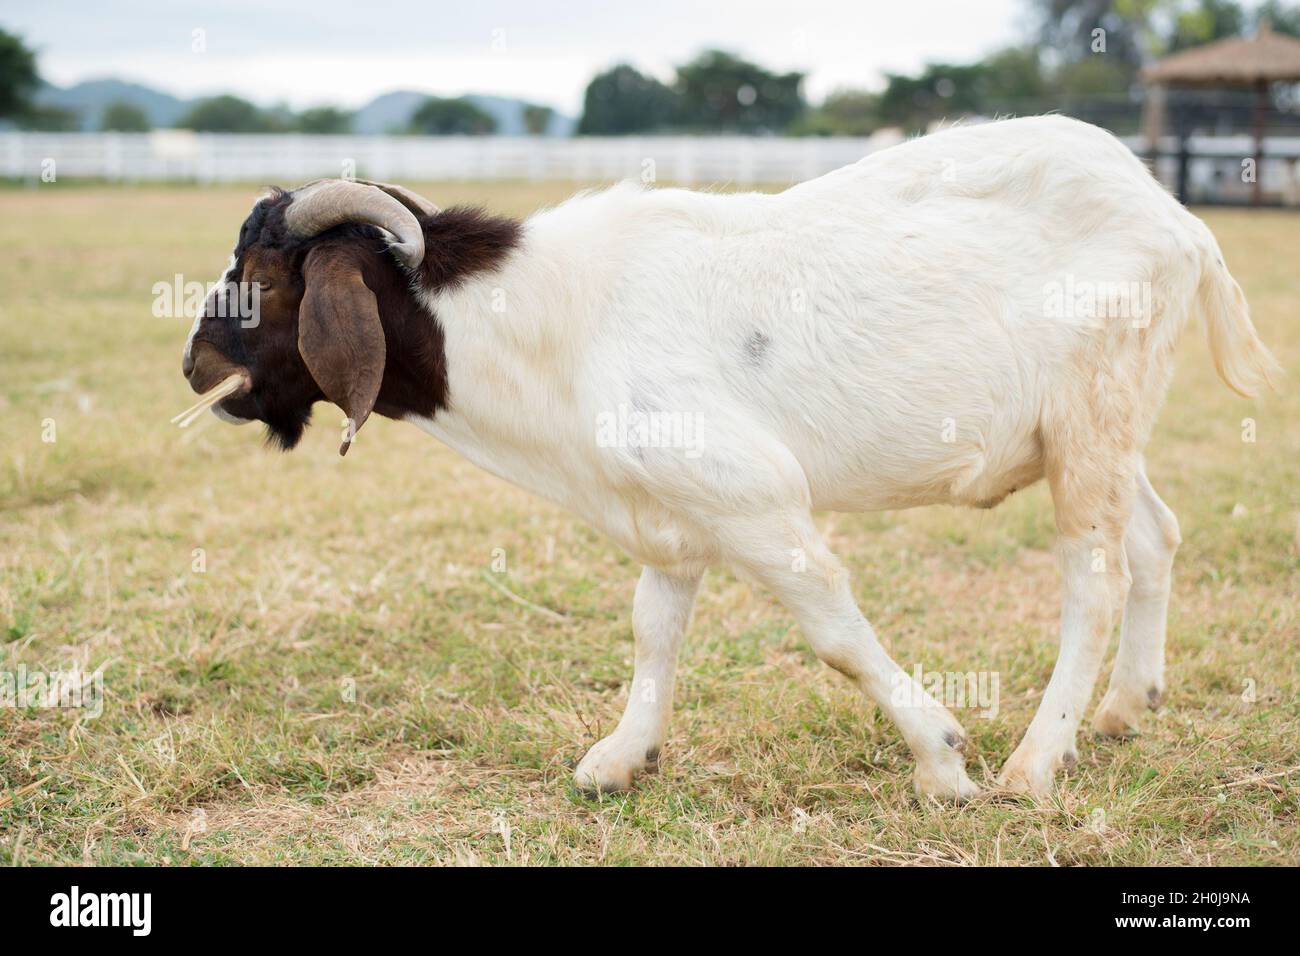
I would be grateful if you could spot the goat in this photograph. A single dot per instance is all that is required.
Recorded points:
(948, 320)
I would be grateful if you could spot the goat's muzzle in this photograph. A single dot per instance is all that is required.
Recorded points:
(204, 367)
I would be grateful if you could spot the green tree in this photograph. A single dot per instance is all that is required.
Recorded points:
(18, 77)
(1205, 21)
(449, 117)
(225, 114)
(1124, 32)
(537, 119)
(942, 90)
(623, 100)
(720, 92)
(1095, 77)
(324, 120)
(1011, 76)
(843, 113)
(123, 117)
(279, 118)
(50, 119)
(1282, 17)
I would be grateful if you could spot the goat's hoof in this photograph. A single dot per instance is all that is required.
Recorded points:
(1033, 773)
(947, 785)
(1118, 715)
(611, 766)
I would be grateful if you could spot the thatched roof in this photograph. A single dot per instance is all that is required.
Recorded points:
(1267, 57)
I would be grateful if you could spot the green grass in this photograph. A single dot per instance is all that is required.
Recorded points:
(342, 685)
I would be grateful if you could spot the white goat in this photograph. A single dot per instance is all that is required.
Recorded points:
(946, 321)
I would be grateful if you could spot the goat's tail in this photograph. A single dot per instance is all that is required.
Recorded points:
(1241, 359)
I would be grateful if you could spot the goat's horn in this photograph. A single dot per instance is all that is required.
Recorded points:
(407, 197)
(327, 203)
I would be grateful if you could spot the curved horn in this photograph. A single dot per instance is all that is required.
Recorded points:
(330, 202)
(407, 197)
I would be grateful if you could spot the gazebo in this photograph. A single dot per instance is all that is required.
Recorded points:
(1241, 63)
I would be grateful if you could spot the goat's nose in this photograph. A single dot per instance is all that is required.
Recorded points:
(187, 365)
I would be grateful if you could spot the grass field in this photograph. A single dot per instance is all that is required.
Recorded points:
(342, 683)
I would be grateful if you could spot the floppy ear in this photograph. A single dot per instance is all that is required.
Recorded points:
(340, 337)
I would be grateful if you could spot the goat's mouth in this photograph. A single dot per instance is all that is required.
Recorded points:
(229, 417)
(223, 386)
(282, 402)
(241, 407)
(205, 367)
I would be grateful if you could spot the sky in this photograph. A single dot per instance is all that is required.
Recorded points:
(328, 51)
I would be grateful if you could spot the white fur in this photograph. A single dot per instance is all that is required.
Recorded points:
(877, 338)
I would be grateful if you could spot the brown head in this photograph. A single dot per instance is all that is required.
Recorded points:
(317, 304)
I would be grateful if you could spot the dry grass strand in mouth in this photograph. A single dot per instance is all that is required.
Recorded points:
(216, 393)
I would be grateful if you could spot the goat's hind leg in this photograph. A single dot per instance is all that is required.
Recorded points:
(1137, 682)
(749, 493)
(1092, 489)
(785, 553)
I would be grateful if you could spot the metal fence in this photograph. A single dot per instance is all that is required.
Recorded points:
(1223, 170)
(1212, 166)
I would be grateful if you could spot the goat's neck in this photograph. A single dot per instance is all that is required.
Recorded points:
(513, 336)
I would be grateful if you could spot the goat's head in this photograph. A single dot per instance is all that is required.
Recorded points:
(298, 312)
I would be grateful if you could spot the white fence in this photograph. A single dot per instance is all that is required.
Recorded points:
(289, 159)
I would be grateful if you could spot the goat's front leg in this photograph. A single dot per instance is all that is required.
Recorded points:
(1092, 511)
(661, 612)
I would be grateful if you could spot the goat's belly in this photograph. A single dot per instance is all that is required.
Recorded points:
(651, 533)
(909, 470)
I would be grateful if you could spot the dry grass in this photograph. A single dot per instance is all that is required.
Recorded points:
(341, 684)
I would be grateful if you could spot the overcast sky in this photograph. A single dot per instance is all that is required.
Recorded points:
(327, 51)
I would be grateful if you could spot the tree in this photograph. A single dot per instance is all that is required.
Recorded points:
(843, 113)
(451, 117)
(537, 119)
(123, 117)
(623, 100)
(50, 119)
(225, 114)
(1089, 78)
(720, 92)
(278, 118)
(327, 120)
(1204, 22)
(18, 77)
(1011, 76)
(942, 90)
(1283, 17)
(1122, 31)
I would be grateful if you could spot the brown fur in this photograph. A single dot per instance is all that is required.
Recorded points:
(363, 323)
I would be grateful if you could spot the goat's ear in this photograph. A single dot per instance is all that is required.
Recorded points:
(340, 336)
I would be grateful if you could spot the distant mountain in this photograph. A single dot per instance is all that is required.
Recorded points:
(388, 113)
(87, 100)
(391, 112)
